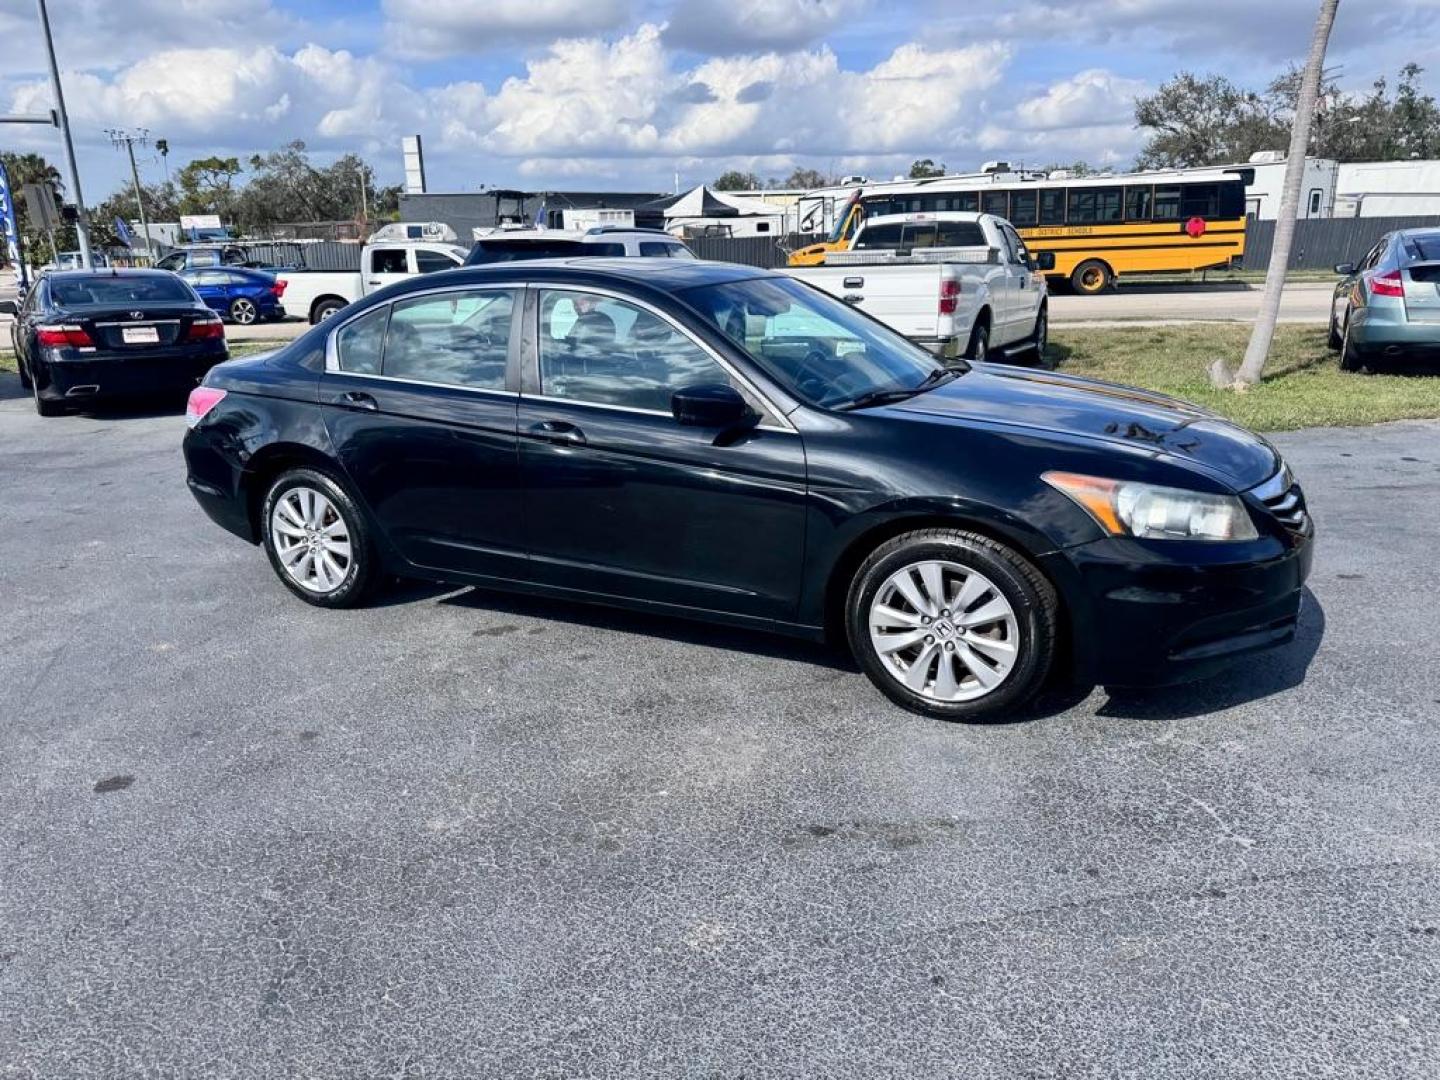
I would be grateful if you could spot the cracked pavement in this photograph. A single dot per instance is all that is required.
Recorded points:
(460, 834)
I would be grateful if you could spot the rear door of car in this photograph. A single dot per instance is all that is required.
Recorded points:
(620, 498)
(419, 399)
(210, 284)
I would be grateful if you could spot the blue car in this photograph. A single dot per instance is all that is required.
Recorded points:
(241, 295)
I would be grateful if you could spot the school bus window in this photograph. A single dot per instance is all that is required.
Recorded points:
(996, 202)
(1022, 208)
(1137, 203)
(1232, 198)
(1199, 200)
(1052, 206)
(1091, 205)
(1167, 203)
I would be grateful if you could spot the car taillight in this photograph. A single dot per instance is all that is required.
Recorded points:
(949, 296)
(1387, 284)
(204, 329)
(202, 400)
(73, 337)
(279, 288)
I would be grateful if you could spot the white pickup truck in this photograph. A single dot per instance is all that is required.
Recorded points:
(394, 253)
(957, 283)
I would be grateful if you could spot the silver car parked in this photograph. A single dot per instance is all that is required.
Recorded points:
(1385, 312)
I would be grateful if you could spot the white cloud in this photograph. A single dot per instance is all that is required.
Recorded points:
(1089, 98)
(434, 28)
(722, 27)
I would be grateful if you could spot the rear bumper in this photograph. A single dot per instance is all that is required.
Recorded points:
(217, 484)
(1143, 617)
(135, 375)
(1389, 336)
(946, 347)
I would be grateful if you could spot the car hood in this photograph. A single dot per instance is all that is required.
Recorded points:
(1106, 412)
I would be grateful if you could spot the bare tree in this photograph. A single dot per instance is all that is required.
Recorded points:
(1258, 350)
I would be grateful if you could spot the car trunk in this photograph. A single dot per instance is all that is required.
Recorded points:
(139, 328)
(1422, 292)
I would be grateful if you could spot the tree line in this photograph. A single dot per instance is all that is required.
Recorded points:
(281, 187)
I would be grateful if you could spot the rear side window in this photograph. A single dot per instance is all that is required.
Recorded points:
(457, 338)
(360, 343)
(606, 250)
(428, 262)
(961, 234)
(656, 250)
(879, 236)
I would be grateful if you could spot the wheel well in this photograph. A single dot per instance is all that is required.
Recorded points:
(981, 316)
(270, 463)
(315, 304)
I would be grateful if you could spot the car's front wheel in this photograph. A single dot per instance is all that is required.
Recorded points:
(317, 539)
(1350, 358)
(952, 624)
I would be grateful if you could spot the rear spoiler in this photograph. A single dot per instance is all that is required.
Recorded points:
(920, 256)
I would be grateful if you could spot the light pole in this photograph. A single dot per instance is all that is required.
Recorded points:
(82, 220)
(128, 140)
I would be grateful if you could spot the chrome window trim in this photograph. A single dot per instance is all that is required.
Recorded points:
(770, 406)
(636, 410)
(332, 355)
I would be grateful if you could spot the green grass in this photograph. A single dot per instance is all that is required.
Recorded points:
(1303, 384)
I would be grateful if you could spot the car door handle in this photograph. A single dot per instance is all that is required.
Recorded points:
(557, 431)
(356, 399)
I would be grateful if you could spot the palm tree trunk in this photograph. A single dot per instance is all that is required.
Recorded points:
(1258, 350)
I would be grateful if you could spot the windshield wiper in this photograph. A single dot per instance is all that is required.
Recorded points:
(935, 378)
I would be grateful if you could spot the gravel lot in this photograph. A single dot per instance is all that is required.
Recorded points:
(460, 835)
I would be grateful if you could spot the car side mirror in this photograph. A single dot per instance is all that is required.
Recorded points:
(1045, 260)
(9, 307)
(710, 405)
(1344, 269)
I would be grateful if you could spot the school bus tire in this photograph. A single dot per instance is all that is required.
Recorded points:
(1090, 277)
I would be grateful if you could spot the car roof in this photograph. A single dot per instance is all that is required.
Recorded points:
(661, 274)
(107, 272)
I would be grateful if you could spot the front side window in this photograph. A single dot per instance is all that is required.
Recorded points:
(459, 338)
(821, 349)
(388, 261)
(360, 343)
(1018, 254)
(608, 352)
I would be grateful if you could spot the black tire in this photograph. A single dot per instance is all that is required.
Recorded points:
(1090, 277)
(1350, 358)
(1034, 351)
(243, 311)
(325, 308)
(1335, 341)
(24, 375)
(362, 573)
(44, 406)
(1030, 596)
(978, 347)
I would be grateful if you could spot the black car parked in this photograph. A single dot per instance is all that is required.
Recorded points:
(81, 336)
(729, 444)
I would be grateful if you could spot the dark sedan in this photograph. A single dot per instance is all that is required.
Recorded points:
(729, 444)
(82, 336)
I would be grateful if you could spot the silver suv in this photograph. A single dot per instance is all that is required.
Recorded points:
(603, 241)
(1386, 310)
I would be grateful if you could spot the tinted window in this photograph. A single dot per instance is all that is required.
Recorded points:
(659, 250)
(1137, 203)
(358, 344)
(174, 261)
(1232, 197)
(1018, 253)
(1424, 248)
(121, 289)
(458, 338)
(498, 250)
(608, 352)
(1023, 208)
(1091, 205)
(995, 202)
(961, 234)
(879, 236)
(606, 250)
(427, 262)
(388, 261)
(1052, 206)
(1199, 200)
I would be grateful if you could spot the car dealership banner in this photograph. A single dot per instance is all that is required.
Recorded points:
(10, 227)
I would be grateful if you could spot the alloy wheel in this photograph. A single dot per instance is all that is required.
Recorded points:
(311, 540)
(944, 630)
(243, 311)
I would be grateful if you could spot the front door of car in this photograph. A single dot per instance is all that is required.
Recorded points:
(623, 500)
(420, 408)
(1023, 286)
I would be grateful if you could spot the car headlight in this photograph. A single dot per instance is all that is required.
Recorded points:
(1152, 512)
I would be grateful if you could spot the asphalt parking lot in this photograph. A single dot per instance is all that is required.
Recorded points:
(459, 834)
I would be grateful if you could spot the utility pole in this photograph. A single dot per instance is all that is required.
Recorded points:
(364, 199)
(82, 220)
(128, 140)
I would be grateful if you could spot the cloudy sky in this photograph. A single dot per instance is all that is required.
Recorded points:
(625, 93)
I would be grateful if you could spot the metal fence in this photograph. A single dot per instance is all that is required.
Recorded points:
(767, 252)
(1320, 243)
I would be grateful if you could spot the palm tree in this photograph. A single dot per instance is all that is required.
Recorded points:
(1258, 351)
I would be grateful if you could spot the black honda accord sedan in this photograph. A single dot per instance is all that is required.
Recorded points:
(82, 336)
(729, 444)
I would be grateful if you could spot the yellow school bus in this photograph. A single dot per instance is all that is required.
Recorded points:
(1099, 227)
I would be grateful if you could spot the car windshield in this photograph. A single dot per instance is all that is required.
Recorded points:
(120, 289)
(821, 349)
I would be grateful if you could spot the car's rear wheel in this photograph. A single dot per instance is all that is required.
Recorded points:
(243, 311)
(978, 347)
(317, 539)
(952, 624)
(44, 406)
(24, 374)
(1090, 277)
(324, 309)
(1034, 352)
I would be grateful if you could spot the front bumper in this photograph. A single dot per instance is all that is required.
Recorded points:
(1151, 613)
(136, 375)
